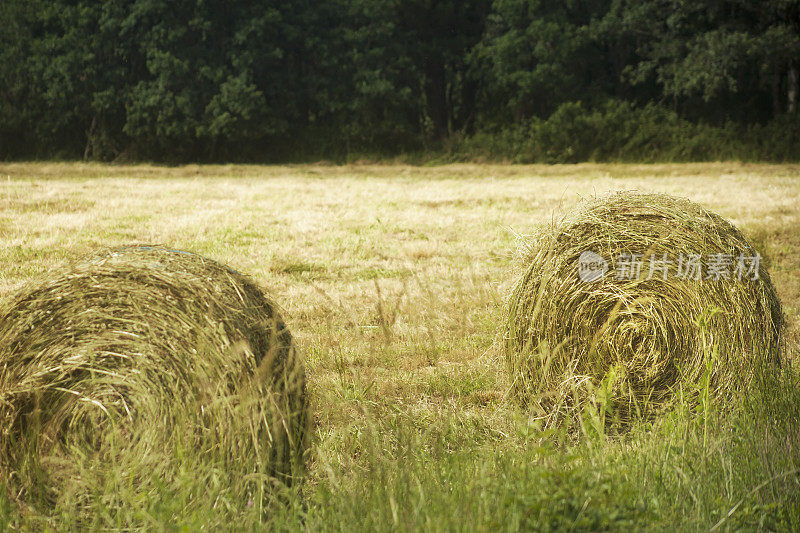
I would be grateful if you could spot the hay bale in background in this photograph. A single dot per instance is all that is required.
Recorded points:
(597, 334)
(142, 362)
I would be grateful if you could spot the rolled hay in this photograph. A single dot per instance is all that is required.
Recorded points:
(587, 333)
(143, 364)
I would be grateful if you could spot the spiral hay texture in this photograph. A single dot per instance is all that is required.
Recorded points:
(138, 365)
(583, 328)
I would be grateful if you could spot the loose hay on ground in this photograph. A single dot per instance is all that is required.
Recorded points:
(627, 345)
(139, 364)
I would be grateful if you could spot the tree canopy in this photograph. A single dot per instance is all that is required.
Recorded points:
(268, 80)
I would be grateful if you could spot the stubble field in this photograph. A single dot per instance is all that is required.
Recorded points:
(393, 280)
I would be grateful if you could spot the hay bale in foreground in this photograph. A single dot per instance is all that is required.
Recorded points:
(604, 332)
(142, 363)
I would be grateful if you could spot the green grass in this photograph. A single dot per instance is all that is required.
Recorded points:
(447, 469)
(394, 281)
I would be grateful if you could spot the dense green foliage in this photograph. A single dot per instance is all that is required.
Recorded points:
(530, 80)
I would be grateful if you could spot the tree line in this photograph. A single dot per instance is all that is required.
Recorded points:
(528, 80)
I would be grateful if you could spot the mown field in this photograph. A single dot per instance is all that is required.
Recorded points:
(393, 280)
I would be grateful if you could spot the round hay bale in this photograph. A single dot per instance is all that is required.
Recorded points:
(138, 365)
(584, 326)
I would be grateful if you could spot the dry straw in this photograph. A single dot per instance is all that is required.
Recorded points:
(626, 346)
(139, 364)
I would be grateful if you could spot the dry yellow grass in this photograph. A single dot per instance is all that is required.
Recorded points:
(394, 280)
(392, 277)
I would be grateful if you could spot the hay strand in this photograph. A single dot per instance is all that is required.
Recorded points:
(575, 336)
(143, 361)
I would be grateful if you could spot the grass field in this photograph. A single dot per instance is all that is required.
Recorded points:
(393, 280)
